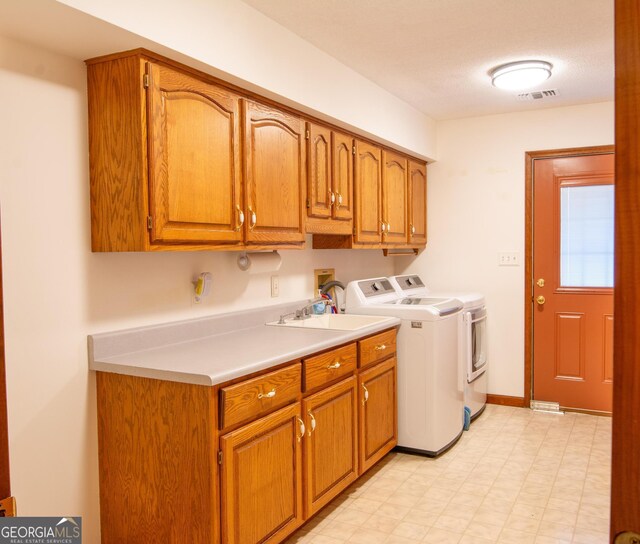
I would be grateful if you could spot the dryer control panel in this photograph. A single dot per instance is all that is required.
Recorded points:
(409, 282)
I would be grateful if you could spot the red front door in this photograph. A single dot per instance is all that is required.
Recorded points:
(573, 281)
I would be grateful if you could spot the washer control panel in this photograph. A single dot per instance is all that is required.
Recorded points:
(372, 288)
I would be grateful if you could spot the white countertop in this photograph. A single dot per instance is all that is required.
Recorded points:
(215, 349)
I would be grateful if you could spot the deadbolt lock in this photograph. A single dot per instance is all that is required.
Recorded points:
(627, 537)
(541, 300)
(540, 282)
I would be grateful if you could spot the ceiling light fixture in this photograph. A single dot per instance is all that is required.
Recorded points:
(520, 75)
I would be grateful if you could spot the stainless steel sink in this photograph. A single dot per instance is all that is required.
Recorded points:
(339, 322)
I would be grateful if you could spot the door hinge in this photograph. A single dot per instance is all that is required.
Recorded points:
(149, 222)
(354, 231)
(308, 203)
(8, 508)
(145, 81)
(308, 135)
(219, 457)
(353, 150)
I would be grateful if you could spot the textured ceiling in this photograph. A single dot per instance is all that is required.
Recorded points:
(435, 54)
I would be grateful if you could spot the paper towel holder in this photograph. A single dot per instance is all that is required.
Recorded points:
(244, 258)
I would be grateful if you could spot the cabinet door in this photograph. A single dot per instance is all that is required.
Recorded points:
(394, 195)
(378, 413)
(342, 176)
(262, 479)
(331, 447)
(418, 203)
(368, 193)
(319, 194)
(194, 154)
(274, 175)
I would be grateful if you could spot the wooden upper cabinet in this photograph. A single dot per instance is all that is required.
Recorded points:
(342, 176)
(181, 161)
(368, 193)
(261, 483)
(194, 159)
(274, 175)
(378, 412)
(329, 181)
(394, 194)
(417, 203)
(319, 193)
(331, 449)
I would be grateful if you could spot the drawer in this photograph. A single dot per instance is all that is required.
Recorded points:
(377, 347)
(330, 366)
(256, 397)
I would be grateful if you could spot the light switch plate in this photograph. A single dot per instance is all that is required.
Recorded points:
(508, 258)
(275, 286)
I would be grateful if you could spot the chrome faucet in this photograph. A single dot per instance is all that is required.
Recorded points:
(303, 313)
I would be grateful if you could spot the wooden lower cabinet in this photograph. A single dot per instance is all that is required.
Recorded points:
(378, 412)
(261, 479)
(173, 471)
(331, 444)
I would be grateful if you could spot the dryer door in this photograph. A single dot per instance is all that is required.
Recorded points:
(476, 321)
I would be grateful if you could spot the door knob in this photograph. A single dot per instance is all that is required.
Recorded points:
(540, 282)
(540, 300)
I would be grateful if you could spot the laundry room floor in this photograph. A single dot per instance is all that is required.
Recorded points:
(516, 476)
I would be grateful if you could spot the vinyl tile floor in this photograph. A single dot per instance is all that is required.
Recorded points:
(516, 476)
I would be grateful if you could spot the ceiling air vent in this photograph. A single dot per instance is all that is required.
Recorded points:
(538, 95)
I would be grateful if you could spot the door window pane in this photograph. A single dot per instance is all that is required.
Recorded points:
(586, 236)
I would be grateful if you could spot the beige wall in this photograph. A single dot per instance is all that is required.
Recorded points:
(56, 291)
(476, 209)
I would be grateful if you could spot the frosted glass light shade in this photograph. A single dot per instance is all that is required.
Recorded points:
(520, 75)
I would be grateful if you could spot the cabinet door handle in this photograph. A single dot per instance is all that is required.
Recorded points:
(339, 199)
(388, 227)
(335, 365)
(303, 429)
(253, 218)
(268, 395)
(313, 422)
(366, 394)
(240, 217)
(413, 229)
(380, 347)
(383, 226)
(332, 198)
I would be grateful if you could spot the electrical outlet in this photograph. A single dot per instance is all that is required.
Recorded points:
(508, 258)
(275, 286)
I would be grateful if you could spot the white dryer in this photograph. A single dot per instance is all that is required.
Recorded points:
(472, 338)
(430, 396)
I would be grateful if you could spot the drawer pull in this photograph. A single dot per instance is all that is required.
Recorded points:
(335, 365)
(380, 347)
(366, 394)
(268, 395)
(302, 429)
(313, 422)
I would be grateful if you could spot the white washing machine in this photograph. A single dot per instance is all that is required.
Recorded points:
(430, 396)
(472, 338)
